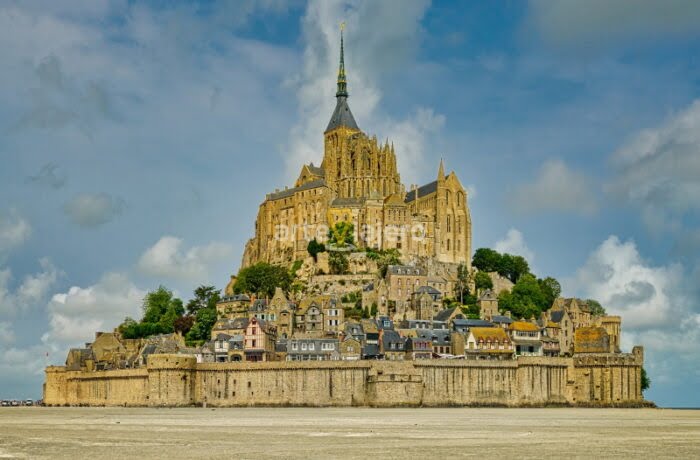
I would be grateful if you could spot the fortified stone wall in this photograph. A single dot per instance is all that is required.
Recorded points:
(126, 387)
(177, 380)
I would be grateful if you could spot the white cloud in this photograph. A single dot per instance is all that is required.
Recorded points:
(556, 188)
(659, 170)
(75, 316)
(32, 291)
(410, 137)
(7, 334)
(92, 210)
(658, 305)
(378, 37)
(626, 285)
(167, 258)
(600, 22)
(14, 230)
(514, 243)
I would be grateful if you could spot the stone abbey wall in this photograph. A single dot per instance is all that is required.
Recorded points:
(177, 380)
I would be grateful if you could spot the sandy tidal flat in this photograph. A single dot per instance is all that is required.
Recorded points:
(97, 433)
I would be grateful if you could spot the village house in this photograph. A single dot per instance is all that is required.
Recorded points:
(419, 348)
(312, 349)
(488, 343)
(350, 349)
(488, 305)
(391, 345)
(235, 326)
(260, 338)
(233, 306)
(526, 338)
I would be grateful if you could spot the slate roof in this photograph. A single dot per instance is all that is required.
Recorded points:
(438, 336)
(342, 116)
(291, 191)
(405, 270)
(424, 190)
(444, 315)
(429, 289)
(501, 319)
(557, 316)
(370, 350)
(469, 323)
(389, 336)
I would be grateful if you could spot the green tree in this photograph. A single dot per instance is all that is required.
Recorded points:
(158, 302)
(525, 299)
(482, 281)
(341, 234)
(646, 381)
(486, 260)
(596, 308)
(462, 281)
(262, 279)
(201, 330)
(387, 257)
(551, 289)
(314, 248)
(338, 263)
(204, 297)
(373, 310)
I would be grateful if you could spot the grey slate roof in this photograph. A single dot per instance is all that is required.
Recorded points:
(291, 191)
(424, 190)
(429, 289)
(557, 316)
(501, 319)
(443, 315)
(472, 323)
(342, 116)
(406, 270)
(370, 350)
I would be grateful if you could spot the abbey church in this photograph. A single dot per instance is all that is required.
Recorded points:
(358, 182)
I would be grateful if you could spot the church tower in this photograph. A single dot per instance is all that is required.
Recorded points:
(341, 125)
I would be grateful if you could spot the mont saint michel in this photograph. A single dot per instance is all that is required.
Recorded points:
(356, 290)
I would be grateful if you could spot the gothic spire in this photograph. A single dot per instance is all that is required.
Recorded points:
(441, 171)
(342, 116)
(342, 82)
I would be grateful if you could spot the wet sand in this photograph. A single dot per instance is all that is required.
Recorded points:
(97, 433)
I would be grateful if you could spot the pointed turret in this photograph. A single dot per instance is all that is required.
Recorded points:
(441, 171)
(342, 116)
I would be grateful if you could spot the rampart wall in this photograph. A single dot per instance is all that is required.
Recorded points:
(177, 380)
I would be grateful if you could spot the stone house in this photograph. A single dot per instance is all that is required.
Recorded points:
(559, 325)
(402, 282)
(350, 349)
(488, 343)
(391, 345)
(235, 326)
(233, 306)
(418, 348)
(311, 349)
(440, 338)
(488, 305)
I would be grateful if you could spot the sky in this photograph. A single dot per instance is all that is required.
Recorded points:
(139, 138)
